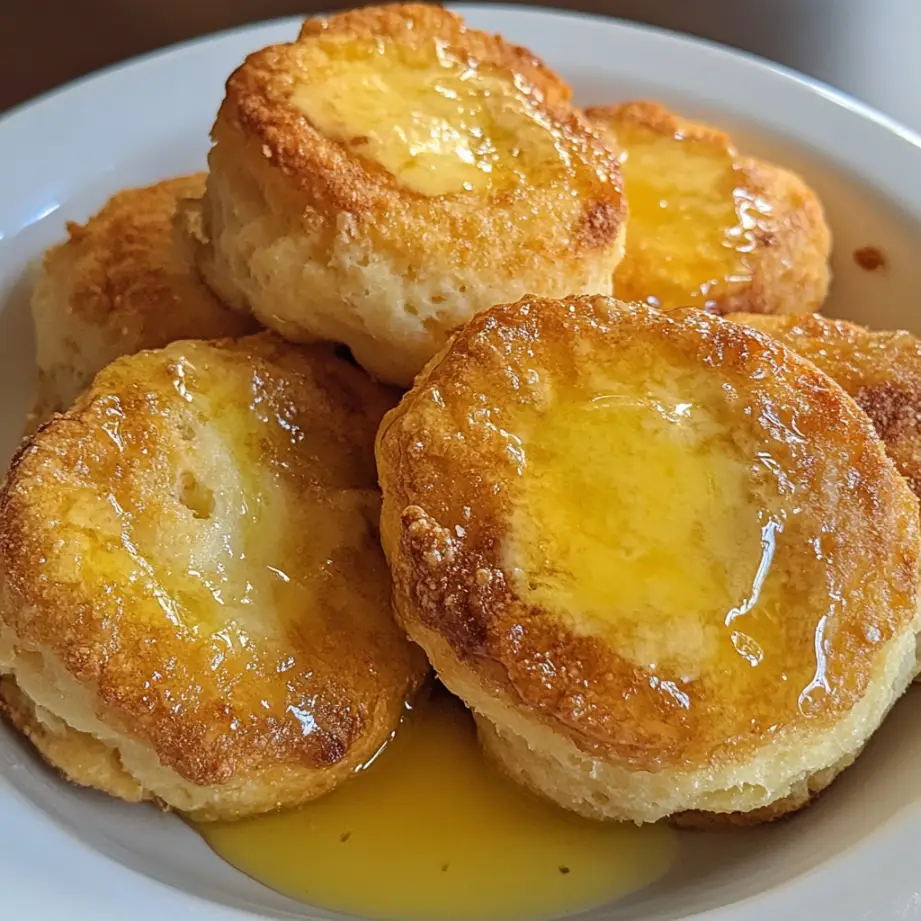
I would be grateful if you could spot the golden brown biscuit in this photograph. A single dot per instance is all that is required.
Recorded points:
(194, 604)
(709, 227)
(392, 172)
(665, 559)
(881, 370)
(118, 285)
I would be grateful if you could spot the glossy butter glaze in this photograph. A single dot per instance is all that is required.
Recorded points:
(688, 200)
(439, 123)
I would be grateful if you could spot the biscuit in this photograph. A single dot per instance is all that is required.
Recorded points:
(393, 172)
(665, 559)
(194, 606)
(709, 227)
(881, 370)
(118, 285)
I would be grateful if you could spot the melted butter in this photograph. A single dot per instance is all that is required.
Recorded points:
(639, 520)
(235, 485)
(431, 832)
(611, 542)
(692, 224)
(437, 124)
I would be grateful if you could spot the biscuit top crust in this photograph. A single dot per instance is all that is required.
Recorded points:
(703, 218)
(666, 535)
(881, 370)
(398, 110)
(196, 543)
(127, 279)
(438, 107)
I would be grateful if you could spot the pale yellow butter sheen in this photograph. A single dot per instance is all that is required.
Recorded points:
(692, 220)
(439, 125)
(637, 519)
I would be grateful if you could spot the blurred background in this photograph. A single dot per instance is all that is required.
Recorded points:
(868, 48)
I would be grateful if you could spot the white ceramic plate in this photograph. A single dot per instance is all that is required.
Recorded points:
(69, 855)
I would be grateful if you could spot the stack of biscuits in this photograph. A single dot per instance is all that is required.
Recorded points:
(434, 372)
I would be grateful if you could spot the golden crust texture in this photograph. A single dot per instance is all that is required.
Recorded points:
(193, 588)
(118, 285)
(662, 556)
(709, 227)
(881, 370)
(392, 172)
